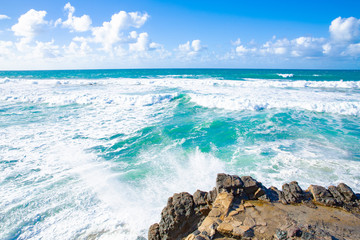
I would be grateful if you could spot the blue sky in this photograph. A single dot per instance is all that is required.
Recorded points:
(179, 33)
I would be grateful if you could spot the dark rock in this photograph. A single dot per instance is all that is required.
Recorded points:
(346, 191)
(200, 198)
(154, 233)
(294, 232)
(229, 183)
(321, 195)
(211, 196)
(336, 194)
(250, 186)
(178, 218)
(307, 236)
(280, 234)
(274, 194)
(292, 193)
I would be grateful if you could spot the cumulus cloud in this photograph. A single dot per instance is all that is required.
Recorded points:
(30, 24)
(112, 32)
(345, 29)
(143, 43)
(191, 48)
(2, 16)
(77, 24)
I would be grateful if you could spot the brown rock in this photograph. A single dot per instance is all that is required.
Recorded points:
(321, 195)
(243, 231)
(346, 191)
(225, 228)
(154, 233)
(200, 197)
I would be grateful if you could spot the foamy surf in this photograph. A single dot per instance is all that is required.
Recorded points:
(97, 158)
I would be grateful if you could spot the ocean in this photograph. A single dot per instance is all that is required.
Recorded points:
(94, 154)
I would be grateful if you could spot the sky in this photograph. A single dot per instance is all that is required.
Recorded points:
(79, 34)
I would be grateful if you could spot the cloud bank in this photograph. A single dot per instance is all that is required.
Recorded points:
(119, 42)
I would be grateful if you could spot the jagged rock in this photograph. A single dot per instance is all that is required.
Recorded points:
(212, 196)
(321, 195)
(292, 193)
(154, 232)
(178, 217)
(200, 197)
(346, 191)
(232, 211)
(250, 186)
(229, 183)
(201, 203)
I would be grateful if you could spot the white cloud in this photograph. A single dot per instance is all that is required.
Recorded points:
(77, 24)
(352, 50)
(5, 48)
(345, 29)
(237, 42)
(111, 32)
(46, 50)
(2, 16)
(30, 24)
(191, 49)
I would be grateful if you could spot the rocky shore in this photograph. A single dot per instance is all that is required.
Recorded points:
(242, 208)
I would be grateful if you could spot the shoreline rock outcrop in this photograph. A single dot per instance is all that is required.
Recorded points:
(242, 208)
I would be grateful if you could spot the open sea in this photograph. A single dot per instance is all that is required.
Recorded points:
(94, 154)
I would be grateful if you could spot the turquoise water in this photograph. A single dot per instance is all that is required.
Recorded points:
(96, 153)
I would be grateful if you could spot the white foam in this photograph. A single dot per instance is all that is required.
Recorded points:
(312, 162)
(286, 75)
(54, 169)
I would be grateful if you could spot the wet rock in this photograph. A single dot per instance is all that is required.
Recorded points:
(321, 195)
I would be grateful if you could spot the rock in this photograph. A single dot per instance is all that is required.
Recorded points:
(321, 195)
(178, 218)
(336, 194)
(280, 234)
(225, 213)
(274, 194)
(229, 183)
(200, 197)
(250, 186)
(346, 191)
(201, 203)
(154, 233)
(243, 231)
(292, 193)
(294, 232)
(225, 228)
(211, 196)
